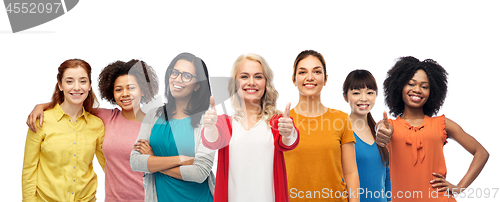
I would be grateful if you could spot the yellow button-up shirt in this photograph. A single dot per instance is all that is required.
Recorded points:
(58, 158)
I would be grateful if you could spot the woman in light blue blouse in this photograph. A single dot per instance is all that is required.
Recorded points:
(360, 91)
(169, 148)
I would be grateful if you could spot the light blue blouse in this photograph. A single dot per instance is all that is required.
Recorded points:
(374, 177)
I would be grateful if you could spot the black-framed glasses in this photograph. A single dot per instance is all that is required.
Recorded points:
(185, 76)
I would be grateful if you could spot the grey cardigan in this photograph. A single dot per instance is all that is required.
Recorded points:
(198, 172)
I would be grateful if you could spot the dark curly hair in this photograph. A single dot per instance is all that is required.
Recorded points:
(200, 99)
(399, 75)
(143, 73)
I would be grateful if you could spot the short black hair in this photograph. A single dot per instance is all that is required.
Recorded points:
(359, 79)
(143, 73)
(399, 75)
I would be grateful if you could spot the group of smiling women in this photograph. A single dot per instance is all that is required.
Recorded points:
(307, 153)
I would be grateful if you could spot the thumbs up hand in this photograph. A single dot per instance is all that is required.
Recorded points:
(384, 131)
(210, 117)
(285, 123)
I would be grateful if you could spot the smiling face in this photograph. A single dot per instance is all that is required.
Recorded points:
(309, 77)
(416, 91)
(180, 87)
(127, 92)
(250, 76)
(361, 100)
(75, 85)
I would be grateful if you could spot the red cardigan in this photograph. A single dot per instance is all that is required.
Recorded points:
(279, 171)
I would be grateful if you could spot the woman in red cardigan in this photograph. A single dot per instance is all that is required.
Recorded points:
(256, 136)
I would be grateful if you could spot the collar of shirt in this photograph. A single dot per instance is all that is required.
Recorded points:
(59, 113)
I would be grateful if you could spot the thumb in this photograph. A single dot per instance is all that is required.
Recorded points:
(287, 110)
(386, 120)
(212, 102)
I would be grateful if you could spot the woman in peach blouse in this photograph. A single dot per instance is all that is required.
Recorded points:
(414, 92)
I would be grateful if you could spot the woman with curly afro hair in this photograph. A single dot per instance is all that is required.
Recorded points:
(126, 84)
(414, 92)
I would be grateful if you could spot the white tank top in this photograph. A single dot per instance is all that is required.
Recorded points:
(251, 156)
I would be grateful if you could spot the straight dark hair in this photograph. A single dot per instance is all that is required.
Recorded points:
(359, 79)
(200, 99)
(304, 54)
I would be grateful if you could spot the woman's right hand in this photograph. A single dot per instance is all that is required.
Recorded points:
(210, 118)
(384, 131)
(35, 114)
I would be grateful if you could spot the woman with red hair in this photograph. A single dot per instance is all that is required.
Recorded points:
(58, 157)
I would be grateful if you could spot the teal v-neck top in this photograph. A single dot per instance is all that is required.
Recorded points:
(174, 138)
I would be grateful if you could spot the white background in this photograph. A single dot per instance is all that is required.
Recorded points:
(463, 37)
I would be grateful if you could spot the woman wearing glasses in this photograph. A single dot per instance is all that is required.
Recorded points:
(169, 148)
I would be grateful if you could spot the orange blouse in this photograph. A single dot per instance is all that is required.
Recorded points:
(414, 154)
(314, 168)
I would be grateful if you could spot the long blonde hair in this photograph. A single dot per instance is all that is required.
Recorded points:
(268, 100)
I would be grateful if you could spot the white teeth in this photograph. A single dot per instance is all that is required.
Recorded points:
(310, 85)
(250, 91)
(127, 101)
(416, 98)
(178, 87)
